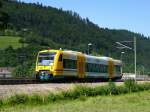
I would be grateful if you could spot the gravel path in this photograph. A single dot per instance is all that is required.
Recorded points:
(9, 90)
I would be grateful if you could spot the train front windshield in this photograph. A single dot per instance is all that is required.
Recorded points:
(46, 58)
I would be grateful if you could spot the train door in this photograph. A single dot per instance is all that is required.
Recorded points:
(111, 68)
(80, 65)
(58, 65)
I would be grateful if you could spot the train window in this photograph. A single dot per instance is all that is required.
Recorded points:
(96, 67)
(90, 67)
(118, 68)
(87, 67)
(103, 68)
(46, 58)
(47, 54)
(71, 64)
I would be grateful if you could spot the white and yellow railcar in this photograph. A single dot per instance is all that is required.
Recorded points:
(63, 63)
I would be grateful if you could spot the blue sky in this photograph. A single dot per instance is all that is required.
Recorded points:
(133, 15)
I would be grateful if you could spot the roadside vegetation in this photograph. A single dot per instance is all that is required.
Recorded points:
(78, 93)
(135, 102)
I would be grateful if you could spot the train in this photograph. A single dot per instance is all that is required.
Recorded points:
(51, 64)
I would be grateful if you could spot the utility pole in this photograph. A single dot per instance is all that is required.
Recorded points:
(24, 32)
(121, 55)
(23, 56)
(122, 61)
(89, 47)
(135, 56)
(122, 46)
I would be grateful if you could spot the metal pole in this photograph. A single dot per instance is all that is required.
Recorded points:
(135, 56)
(122, 61)
(23, 51)
(89, 47)
(121, 55)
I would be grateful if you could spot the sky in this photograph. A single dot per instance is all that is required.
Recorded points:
(133, 15)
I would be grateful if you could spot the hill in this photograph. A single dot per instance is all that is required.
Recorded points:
(55, 28)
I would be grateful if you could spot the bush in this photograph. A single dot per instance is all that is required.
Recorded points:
(18, 99)
(54, 97)
(112, 89)
(131, 85)
(101, 90)
(122, 90)
(70, 95)
(1, 103)
(74, 94)
(24, 70)
(37, 99)
(143, 87)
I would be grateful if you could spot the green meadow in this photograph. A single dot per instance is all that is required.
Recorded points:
(130, 97)
(132, 102)
(6, 41)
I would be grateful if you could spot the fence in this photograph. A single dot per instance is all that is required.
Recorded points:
(137, 77)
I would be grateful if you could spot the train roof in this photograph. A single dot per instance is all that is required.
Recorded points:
(86, 55)
(98, 57)
(117, 61)
(72, 52)
(49, 50)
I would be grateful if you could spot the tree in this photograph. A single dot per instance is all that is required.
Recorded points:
(3, 18)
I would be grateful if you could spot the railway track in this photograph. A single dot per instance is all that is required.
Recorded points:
(12, 81)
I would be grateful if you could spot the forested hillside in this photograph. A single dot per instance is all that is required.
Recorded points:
(47, 27)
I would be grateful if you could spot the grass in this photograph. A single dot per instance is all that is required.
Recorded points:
(134, 102)
(6, 41)
(80, 94)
